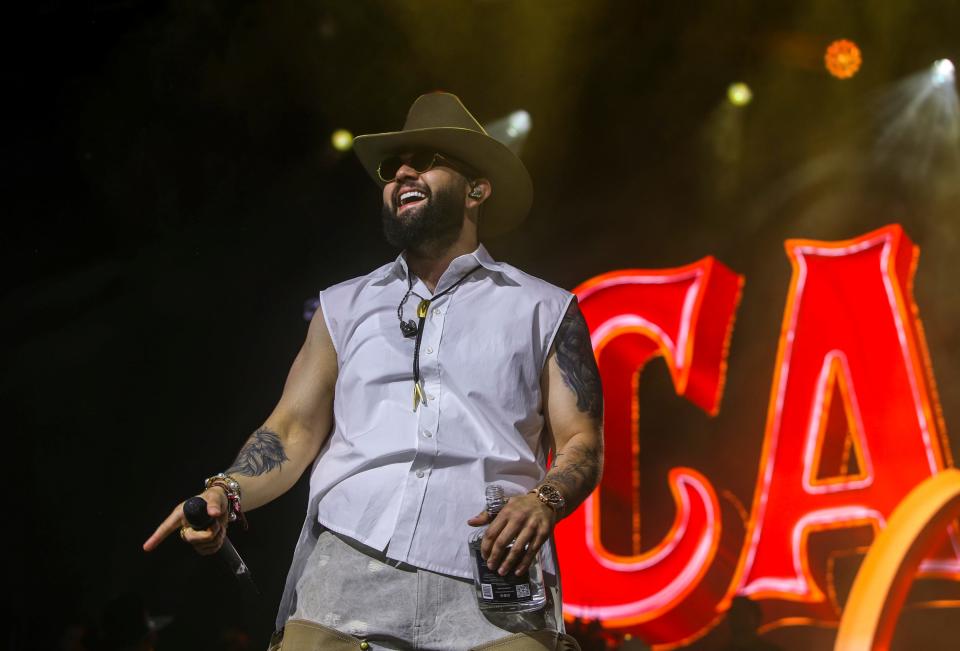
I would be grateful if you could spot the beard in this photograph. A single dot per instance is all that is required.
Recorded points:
(436, 222)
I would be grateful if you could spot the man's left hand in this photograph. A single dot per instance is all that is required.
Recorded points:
(526, 522)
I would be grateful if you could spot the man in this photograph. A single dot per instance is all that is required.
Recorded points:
(419, 385)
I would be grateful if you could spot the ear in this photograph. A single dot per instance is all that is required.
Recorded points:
(478, 192)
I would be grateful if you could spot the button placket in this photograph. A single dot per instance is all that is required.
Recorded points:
(427, 414)
(427, 423)
(415, 486)
(433, 331)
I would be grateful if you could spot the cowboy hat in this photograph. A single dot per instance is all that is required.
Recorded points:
(440, 122)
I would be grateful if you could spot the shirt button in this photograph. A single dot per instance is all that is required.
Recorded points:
(429, 349)
(419, 474)
(438, 311)
(427, 434)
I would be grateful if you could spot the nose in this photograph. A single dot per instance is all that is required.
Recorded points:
(406, 172)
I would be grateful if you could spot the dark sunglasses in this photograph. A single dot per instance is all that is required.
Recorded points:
(421, 161)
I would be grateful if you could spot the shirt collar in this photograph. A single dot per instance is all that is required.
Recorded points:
(458, 266)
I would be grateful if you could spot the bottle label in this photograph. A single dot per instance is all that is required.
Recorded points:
(509, 589)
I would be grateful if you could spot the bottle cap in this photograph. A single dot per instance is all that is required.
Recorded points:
(495, 499)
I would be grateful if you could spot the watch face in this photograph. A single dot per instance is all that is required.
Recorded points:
(551, 496)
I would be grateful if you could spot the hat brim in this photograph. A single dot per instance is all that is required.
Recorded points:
(512, 189)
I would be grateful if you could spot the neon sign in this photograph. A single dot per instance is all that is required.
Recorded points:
(883, 582)
(852, 427)
(685, 315)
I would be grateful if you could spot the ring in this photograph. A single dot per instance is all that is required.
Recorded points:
(182, 536)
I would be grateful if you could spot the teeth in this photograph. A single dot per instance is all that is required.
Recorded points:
(414, 194)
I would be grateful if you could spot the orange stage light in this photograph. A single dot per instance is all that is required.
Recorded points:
(843, 59)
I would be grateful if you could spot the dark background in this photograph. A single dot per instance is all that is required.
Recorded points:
(170, 199)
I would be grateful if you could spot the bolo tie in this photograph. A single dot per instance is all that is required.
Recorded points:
(409, 329)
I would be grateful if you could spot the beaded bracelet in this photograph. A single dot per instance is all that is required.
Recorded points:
(231, 488)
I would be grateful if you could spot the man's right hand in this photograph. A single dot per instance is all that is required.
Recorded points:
(290, 438)
(204, 542)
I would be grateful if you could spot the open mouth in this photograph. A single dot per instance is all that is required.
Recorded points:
(409, 198)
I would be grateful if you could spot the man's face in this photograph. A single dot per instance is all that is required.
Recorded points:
(424, 207)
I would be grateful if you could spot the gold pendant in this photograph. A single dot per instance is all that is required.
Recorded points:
(417, 395)
(422, 308)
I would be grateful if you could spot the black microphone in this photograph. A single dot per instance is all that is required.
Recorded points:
(195, 511)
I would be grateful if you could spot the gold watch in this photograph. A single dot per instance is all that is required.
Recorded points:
(551, 496)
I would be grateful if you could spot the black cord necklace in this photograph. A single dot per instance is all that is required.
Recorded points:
(410, 329)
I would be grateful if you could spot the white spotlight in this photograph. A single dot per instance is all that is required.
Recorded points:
(942, 72)
(518, 124)
(511, 130)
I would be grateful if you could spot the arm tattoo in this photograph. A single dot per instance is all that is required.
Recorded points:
(580, 472)
(262, 452)
(577, 364)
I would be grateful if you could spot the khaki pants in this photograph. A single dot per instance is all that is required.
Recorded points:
(301, 635)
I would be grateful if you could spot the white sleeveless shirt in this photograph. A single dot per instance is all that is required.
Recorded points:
(405, 481)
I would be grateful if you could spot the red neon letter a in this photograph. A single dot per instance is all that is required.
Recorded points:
(851, 352)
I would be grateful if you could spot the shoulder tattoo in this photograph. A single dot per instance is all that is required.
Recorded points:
(577, 364)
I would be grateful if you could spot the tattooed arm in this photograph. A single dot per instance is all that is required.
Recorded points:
(573, 406)
(275, 455)
(574, 411)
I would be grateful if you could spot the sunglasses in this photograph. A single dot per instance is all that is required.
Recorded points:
(421, 161)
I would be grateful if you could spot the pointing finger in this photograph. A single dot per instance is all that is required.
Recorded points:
(167, 527)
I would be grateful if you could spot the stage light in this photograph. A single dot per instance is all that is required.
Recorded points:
(918, 133)
(342, 140)
(739, 94)
(518, 124)
(942, 72)
(843, 59)
(511, 130)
